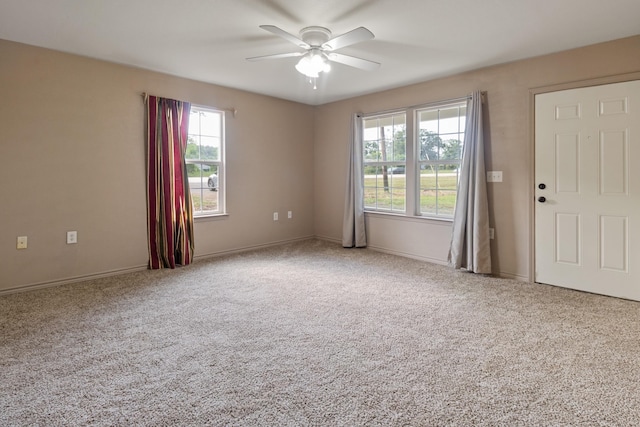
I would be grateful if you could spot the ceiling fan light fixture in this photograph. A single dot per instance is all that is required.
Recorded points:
(312, 64)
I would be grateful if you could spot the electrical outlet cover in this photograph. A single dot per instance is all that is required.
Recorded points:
(72, 237)
(22, 242)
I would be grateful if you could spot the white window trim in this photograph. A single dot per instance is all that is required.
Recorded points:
(221, 164)
(412, 204)
(382, 115)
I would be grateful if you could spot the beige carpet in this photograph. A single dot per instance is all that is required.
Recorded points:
(311, 334)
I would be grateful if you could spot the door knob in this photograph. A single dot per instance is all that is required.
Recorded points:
(542, 186)
(542, 199)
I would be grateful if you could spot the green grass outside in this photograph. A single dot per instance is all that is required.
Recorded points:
(434, 199)
(204, 201)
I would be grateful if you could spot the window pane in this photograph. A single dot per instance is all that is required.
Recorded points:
(451, 149)
(384, 138)
(210, 124)
(441, 133)
(429, 145)
(429, 121)
(203, 182)
(438, 187)
(449, 120)
(396, 136)
(371, 174)
(209, 148)
(193, 149)
(383, 200)
(205, 135)
(398, 201)
(385, 190)
(194, 121)
(204, 153)
(446, 202)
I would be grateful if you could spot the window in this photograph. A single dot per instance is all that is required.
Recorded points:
(385, 146)
(411, 160)
(205, 160)
(441, 135)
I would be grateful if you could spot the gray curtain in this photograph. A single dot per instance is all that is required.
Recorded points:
(353, 229)
(470, 245)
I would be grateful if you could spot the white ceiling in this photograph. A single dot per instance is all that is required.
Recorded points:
(415, 40)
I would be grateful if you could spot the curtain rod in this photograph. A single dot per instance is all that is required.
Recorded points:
(426, 104)
(232, 110)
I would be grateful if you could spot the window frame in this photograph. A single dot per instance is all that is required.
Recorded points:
(438, 162)
(219, 164)
(386, 163)
(412, 161)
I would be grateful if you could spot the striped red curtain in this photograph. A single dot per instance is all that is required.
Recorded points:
(170, 212)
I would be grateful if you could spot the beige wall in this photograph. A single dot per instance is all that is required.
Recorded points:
(509, 149)
(72, 157)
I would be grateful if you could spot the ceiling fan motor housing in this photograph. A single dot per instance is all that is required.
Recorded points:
(315, 36)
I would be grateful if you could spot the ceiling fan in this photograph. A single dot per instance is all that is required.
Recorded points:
(319, 49)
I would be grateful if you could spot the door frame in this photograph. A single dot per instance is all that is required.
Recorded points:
(618, 78)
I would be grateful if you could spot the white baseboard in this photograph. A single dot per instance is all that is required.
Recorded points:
(250, 248)
(408, 255)
(75, 279)
(117, 272)
(329, 239)
(513, 276)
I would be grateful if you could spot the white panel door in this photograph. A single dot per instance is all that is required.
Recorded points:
(587, 215)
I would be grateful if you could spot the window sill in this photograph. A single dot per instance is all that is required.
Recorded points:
(210, 217)
(410, 218)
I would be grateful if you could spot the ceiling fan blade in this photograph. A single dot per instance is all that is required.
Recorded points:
(276, 56)
(352, 61)
(289, 37)
(358, 35)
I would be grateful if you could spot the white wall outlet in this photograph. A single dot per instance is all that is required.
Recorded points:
(21, 242)
(275, 216)
(72, 237)
(494, 176)
(492, 233)
(290, 214)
